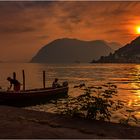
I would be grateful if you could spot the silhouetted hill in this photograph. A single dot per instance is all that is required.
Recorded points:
(130, 53)
(71, 50)
(130, 49)
(114, 45)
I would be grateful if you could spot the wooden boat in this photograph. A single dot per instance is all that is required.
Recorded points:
(31, 97)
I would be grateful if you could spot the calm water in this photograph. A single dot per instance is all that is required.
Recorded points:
(125, 76)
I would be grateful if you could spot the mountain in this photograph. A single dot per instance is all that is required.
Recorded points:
(67, 50)
(114, 45)
(130, 53)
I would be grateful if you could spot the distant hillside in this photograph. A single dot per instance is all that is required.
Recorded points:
(71, 50)
(114, 45)
(130, 53)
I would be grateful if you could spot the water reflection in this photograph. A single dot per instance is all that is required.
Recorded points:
(125, 76)
(133, 88)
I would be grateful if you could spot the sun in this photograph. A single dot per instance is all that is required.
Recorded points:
(138, 30)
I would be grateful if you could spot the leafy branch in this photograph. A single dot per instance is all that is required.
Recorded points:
(95, 103)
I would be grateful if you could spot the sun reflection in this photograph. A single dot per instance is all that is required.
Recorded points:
(137, 115)
(130, 103)
(134, 100)
(139, 95)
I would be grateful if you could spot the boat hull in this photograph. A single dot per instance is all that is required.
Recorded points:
(31, 97)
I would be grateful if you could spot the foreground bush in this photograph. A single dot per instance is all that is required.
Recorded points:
(95, 103)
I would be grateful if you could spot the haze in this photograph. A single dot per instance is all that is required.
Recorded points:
(25, 27)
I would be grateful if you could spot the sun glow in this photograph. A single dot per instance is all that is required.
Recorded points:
(138, 29)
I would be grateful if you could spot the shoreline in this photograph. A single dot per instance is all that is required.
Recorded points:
(22, 123)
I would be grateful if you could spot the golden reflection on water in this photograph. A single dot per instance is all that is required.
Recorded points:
(130, 103)
(126, 77)
(137, 114)
(134, 100)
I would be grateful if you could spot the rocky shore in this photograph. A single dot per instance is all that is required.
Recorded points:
(21, 123)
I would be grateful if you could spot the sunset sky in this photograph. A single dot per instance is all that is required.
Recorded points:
(25, 27)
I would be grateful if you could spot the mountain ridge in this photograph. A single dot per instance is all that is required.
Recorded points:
(130, 53)
(69, 50)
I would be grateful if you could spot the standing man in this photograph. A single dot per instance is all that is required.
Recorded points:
(15, 83)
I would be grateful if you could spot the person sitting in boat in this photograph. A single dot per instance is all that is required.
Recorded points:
(15, 83)
(55, 83)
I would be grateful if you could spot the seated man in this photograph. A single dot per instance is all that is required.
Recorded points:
(15, 83)
(55, 83)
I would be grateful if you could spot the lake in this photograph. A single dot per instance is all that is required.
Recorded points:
(125, 76)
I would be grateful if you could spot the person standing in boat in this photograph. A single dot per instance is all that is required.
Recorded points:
(55, 83)
(15, 83)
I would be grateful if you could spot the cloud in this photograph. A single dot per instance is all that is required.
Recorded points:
(115, 31)
(43, 37)
(64, 15)
(35, 23)
(13, 30)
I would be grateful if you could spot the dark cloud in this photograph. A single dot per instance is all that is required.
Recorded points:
(11, 30)
(66, 15)
(43, 37)
(115, 31)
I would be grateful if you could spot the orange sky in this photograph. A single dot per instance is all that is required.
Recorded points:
(25, 27)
